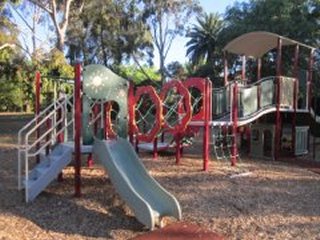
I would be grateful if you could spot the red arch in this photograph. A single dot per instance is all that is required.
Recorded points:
(186, 102)
(148, 137)
(200, 84)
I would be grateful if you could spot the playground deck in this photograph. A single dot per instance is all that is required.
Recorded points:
(276, 201)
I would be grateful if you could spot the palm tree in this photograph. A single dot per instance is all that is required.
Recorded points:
(202, 46)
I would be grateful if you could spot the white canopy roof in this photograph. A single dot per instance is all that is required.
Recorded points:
(256, 44)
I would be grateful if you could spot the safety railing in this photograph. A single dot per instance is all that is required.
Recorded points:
(257, 96)
(262, 95)
(41, 132)
(221, 98)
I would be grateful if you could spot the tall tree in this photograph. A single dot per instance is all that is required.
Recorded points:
(167, 20)
(59, 12)
(296, 19)
(203, 42)
(109, 33)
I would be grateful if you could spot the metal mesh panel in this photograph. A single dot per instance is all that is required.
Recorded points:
(248, 100)
(267, 93)
(286, 94)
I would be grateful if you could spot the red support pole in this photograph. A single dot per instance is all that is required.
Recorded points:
(243, 71)
(155, 148)
(131, 108)
(48, 125)
(295, 98)
(225, 60)
(178, 148)
(259, 69)
(234, 150)
(311, 60)
(278, 92)
(309, 88)
(37, 108)
(78, 126)
(206, 134)
(259, 96)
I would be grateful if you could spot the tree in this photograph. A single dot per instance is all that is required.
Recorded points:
(295, 19)
(167, 20)
(176, 70)
(204, 38)
(109, 33)
(59, 12)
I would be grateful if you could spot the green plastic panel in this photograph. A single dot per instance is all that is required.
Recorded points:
(220, 98)
(248, 100)
(100, 83)
(286, 88)
(267, 93)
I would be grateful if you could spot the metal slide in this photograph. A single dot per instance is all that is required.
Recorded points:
(142, 193)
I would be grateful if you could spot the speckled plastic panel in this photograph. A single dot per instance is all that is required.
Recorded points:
(249, 100)
(101, 83)
(287, 90)
(267, 93)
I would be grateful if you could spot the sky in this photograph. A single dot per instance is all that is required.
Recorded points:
(177, 51)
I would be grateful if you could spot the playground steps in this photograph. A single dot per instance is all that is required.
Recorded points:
(47, 170)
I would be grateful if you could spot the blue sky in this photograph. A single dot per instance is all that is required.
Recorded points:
(178, 50)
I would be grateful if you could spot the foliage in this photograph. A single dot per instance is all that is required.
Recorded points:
(168, 19)
(296, 19)
(203, 47)
(138, 76)
(176, 70)
(109, 32)
(204, 38)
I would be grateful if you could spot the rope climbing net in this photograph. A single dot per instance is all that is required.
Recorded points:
(223, 140)
(169, 111)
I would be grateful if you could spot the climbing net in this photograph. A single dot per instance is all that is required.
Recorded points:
(222, 141)
(148, 114)
(177, 110)
(169, 112)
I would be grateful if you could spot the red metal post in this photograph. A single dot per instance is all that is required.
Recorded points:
(310, 66)
(37, 108)
(90, 161)
(155, 148)
(259, 69)
(178, 148)
(48, 125)
(309, 88)
(225, 60)
(131, 109)
(206, 134)
(278, 92)
(243, 71)
(77, 128)
(295, 98)
(234, 150)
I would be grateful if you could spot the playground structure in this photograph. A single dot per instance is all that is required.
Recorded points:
(106, 109)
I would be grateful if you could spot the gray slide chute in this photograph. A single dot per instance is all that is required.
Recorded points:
(142, 193)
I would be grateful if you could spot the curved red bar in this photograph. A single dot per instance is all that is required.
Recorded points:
(150, 91)
(187, 110)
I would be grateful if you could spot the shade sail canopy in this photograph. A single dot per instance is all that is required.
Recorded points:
(256, 44)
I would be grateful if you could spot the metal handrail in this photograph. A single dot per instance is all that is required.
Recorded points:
(43, 112)
(59, 105)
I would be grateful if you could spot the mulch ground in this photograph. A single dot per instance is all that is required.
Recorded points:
(277, 200)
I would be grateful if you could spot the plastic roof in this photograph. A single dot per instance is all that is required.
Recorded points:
(256, 44)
